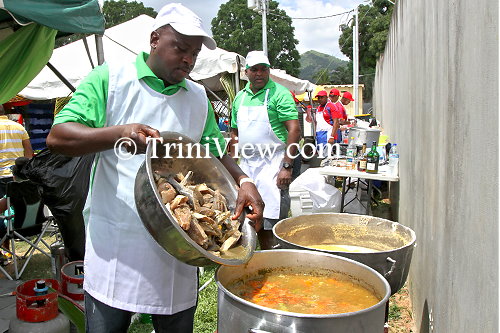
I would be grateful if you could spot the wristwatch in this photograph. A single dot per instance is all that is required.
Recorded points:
(287, 165)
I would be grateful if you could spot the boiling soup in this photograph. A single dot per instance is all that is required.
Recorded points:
(303, 292)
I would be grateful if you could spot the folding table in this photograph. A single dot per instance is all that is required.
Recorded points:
(385, 173)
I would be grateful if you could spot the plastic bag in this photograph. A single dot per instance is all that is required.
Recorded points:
(324, 197)
(65, 182)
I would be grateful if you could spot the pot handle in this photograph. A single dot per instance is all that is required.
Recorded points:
(389, 259)
(256, 330)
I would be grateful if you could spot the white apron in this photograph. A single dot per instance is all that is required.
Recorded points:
(322, 124)
(255, 129)
(323, 132)
(124, 267)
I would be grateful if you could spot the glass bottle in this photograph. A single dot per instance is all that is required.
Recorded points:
(362, 159)
(372, 159)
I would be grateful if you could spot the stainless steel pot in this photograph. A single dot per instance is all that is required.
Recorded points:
(364, 135)
(236, 315)
(157, 219)
(392, 241)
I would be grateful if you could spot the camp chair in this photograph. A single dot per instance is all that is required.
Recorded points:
(28, 223)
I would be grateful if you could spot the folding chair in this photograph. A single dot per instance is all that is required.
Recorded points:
(27, 223)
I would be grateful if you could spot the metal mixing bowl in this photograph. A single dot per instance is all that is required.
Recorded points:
(161, 225)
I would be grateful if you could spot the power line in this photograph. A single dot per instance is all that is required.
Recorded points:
(341, 46)
(335, 56)
(310, 18)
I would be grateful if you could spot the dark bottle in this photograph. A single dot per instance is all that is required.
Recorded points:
(372, 159)
(362, 159)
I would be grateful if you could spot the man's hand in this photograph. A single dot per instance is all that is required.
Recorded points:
(74, 139)
(138, 134)
(331, 140)
(284, 178)
(249, 196)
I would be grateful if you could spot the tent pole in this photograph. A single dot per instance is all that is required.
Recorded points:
(237, 74)
(61, 77)
(99, 49)
(88, 51)
(215, 95)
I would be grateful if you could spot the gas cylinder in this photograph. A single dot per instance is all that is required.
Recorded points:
(72, 284)
(72, 281)
(57, 257)
(37, 309)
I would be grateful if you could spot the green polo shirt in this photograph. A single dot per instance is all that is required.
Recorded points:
(280, 106)
(88, 104)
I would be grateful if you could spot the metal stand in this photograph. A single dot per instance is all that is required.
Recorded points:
(344, 192)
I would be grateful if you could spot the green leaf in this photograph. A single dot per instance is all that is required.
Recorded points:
(72, 310)
(74, 314)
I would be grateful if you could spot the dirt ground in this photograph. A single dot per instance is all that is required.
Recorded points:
(400, 312)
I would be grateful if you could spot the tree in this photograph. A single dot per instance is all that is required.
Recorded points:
(373, 27)
(116, 12)
(238, 29)
(341, 75)
(322, 76)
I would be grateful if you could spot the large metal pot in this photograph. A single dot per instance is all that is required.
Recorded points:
(392, 241)
(364, 135)
(158, 220)
(235, 315)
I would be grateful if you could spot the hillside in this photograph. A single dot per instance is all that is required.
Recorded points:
(312, 61)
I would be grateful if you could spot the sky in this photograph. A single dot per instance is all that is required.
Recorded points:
(313, 34)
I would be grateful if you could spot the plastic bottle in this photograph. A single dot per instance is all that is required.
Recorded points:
(394, 157)
(351, 154)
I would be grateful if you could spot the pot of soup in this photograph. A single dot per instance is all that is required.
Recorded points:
(300, 291)
(384, 245)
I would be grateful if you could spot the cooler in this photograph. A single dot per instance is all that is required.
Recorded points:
(301, 203)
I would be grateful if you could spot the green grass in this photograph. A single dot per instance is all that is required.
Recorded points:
(39, 266)
(205, 319)
(394, 311)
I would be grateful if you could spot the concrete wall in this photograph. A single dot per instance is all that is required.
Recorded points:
(436, 94)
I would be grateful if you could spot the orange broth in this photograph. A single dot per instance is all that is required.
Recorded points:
(303, 292)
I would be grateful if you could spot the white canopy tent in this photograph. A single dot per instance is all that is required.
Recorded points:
(123, 42)
(298, 86)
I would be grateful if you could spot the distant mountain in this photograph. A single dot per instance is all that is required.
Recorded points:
(312, 62)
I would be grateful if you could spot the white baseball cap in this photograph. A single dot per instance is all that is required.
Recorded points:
(184, 21)
(256, 57)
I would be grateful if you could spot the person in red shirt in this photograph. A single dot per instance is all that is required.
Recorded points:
(334, 96)
(327, 119)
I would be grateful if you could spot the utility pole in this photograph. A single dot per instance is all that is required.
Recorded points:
(264, 26)
(355, 63)
(260, 6)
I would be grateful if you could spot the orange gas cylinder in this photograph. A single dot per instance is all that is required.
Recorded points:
(37, 309)
(72, 280)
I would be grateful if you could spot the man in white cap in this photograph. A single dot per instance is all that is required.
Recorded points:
(126, 271)
(264, 114)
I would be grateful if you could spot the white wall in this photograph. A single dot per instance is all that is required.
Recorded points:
(436, 94)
